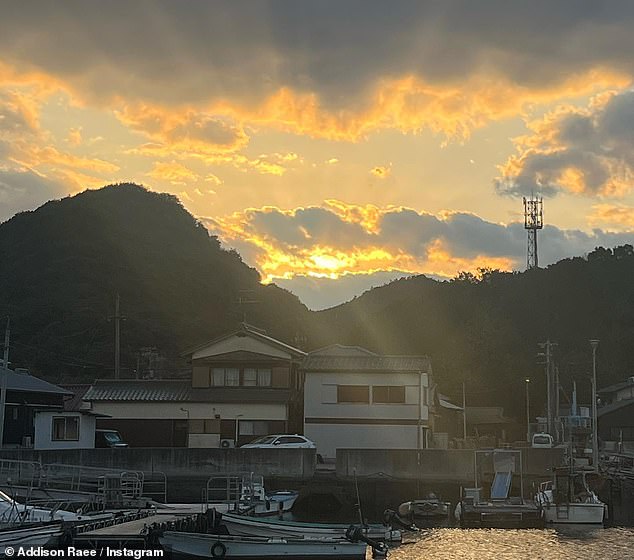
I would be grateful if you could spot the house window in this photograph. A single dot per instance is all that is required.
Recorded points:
(65, 428)
(232, 377)
(353, 394)
(254, 428)
(250, 377)
(264, 377)
(218, 377)
(382, 394)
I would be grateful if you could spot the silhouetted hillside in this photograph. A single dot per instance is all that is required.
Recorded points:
(64, 263)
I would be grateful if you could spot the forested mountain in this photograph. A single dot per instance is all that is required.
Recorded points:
(64, 263)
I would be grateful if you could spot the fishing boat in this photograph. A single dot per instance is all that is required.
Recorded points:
(181, 545)
(428, 510)
(244, 493)
(568, 500)
(252, 526)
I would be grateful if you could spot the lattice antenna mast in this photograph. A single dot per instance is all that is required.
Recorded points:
(533, 221)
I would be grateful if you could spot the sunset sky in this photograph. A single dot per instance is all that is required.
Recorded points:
(335, 145)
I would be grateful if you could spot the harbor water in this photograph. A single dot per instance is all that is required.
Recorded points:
(575, 543)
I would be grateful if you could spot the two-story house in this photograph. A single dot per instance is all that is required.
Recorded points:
(243, 385)
(354, 398)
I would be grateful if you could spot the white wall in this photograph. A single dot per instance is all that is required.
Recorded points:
(320, 396)
(43, 423)
(320, 402)
(329, 437)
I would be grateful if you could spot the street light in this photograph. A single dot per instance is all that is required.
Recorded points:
(238, 416)
(594, 343)
(528, 411)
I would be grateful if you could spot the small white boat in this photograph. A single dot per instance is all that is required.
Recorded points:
(12, 512)
(272, 503)
(180, 545)
(30, 536)
(426, 510)
(250, 526)
(567, 500)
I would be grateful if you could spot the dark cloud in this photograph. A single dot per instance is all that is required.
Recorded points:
(585, 151)
(196, 50)
(25, 190)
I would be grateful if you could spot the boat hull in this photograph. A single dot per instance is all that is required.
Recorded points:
(574, 514)
(248, 526)
(193, 545)
(32, 537)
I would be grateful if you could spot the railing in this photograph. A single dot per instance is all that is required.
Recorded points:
(235, 488)
(98, 483)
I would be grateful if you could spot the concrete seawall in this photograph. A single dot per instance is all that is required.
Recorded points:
(436, 465)
(181, 462)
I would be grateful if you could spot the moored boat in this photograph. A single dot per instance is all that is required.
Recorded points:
(568, 500)
(249, 526)
(30, 535)
(181, 545)
(427, 510)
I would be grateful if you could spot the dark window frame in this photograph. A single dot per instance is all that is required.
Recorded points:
(65, 419)
(345, 392)
(395, 394)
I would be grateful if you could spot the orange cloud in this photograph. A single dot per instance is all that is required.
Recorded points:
(613, 216)
(339, 239)
(173, 172)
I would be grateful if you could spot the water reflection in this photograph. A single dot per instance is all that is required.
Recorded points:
(568, 543)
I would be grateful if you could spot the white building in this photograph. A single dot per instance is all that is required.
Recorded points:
(354, 398)
(72, 427)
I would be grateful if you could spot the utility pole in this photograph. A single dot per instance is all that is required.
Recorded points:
(464, 411)
(117, 338)
(3, 383)
(548, 347)
(595, 430)
(528, 411)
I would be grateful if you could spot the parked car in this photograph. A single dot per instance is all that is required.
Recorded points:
(543, 440)
(109, 438)
(285, 441)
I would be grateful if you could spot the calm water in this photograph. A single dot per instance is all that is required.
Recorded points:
(524, 544)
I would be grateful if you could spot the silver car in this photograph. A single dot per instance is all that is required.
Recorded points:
(285, 441)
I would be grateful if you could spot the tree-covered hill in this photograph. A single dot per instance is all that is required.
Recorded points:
(64, 263)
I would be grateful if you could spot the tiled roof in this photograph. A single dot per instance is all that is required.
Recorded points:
(27, 383)
(171, 390)
(341, 350)
(361, 363)
(138, 390)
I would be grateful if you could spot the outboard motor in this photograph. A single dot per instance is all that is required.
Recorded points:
(355, 534)
(393, 519)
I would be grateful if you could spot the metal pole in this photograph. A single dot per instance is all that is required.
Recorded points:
(528, 412)
(117, 339)
(549, 383)
(595, 429)
(464, 411)
(237, 428)
(3, 383)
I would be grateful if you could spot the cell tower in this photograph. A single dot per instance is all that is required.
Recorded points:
(533, 220)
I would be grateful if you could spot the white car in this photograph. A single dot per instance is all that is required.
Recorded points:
(280, 441)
